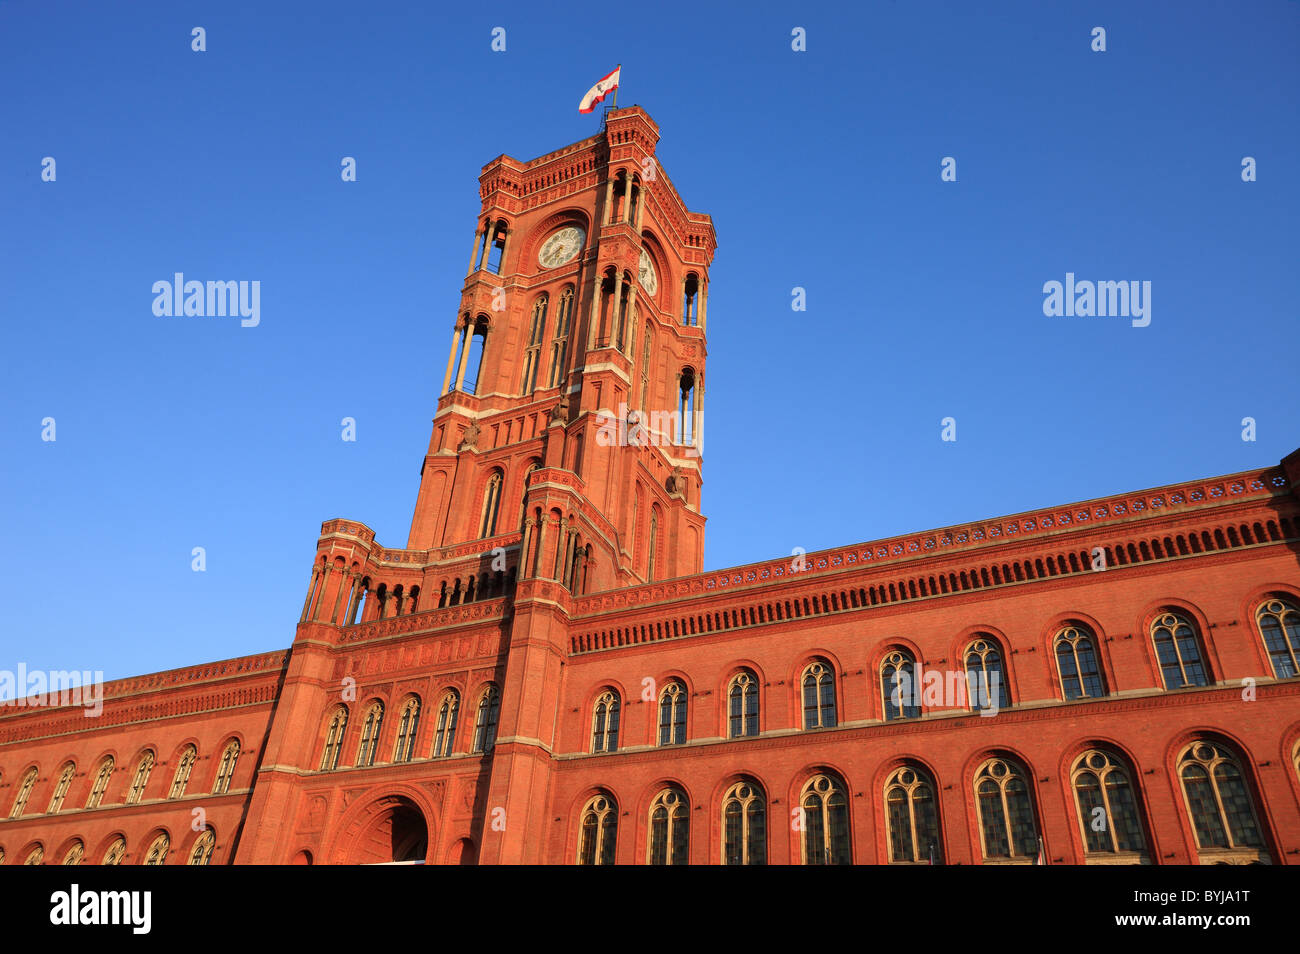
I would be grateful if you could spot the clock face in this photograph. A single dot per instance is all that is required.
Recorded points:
(649, 280)
(561, 247)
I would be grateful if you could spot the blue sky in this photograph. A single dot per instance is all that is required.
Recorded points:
(821, 170)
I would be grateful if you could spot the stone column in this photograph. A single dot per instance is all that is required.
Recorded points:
(473, 253)
(616, 311)
(703, 306)
(608, 211)
(324, 584)
(541, 544)
(523, 549)
(451, 359)
(505, 243)
(594, 321)
(464, 355)
(311, 588)
(338, 599)
(560, 541)
(630, 340)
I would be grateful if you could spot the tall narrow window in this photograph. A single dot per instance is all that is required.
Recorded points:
(61, 789)
(1219, 803)
(444, 736)
(672, 714)
(183, 768)
(407, 727)
(1179, 651)
(744, 825)
(654, 543)
(226, 767)
(533, 353)
(1279, 624)
(1076, 659)
(370, 730)
(75, 853)
(670, 828)
(986, 683)
(474, 360)
(116, 851)
(523, 496)
(1008, 829)
(491, 504)
(647, 348)
(485, 721)
(819, 696)
(102, 778)
(157, 853)
(201, 853)
(338, 725)
(742, 705)
(24, 793)
(825, 815)
(1108, 812)
(898, 687)
(686, 408)
(913, 818)
(560, 343)
(604, 723)
(598, 832)
(143, 769)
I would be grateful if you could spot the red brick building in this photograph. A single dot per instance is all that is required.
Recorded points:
(544, 675)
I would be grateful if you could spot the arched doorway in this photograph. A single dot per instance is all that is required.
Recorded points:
(391, 830)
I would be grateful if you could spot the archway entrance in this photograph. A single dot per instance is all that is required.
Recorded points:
(392, 831)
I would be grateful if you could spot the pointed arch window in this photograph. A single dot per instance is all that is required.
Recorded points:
(408, 726)
(1279, 625)
(158, 848)
(116, 852)
(1008, 829)
(444, 736)
(491, 504)
(898, 686)
(36, 856)
(24, 793)
(744, 825)
(183, 769)
(102, 778)
(143, 769)
(560, 343)
(604, 722)
(201, 853)
(1108, 813)
(1076, 661)
(825, 816)
(1179, 651)
(226, 768)
(1219, 802)
(672, 714)
(654, 544)
(532, 355)
(742, 705)
(75, 853)
(61, 789)
(485, 720)
(370, 729)
(599, 831)
(913, 818)
(338, 725)
(818, 695)
(647, 349)
(986, 682)
(670, 828)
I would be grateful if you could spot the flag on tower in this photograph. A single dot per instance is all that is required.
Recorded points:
(598, 92)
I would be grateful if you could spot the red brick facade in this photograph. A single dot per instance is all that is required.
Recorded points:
(553, 575)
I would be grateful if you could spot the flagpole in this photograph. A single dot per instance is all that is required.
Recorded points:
(620, 83)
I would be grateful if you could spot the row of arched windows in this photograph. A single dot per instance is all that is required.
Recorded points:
(138, 785)
(1105, 788)
(406, 744)
(200, 852)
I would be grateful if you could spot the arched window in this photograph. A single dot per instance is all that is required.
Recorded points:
(2, 856)
(201, 853)
(226, 768)
(338, 724)
(444, 736)
(183, 769)
(742, 705)
(825, 817)
(473, 360)
(898, 686)
(116, 851)
(491, 504)
(647, 349)
(143, 769)
(532, 355)
(1219, 802)
(686, 403)
(604, 723)
(672, 714)
(36, 856)
(523, 496)
(599, 831)
(1179, 651)
(24, 793)
(407, 727)
(913, 818)
(102, 778)
(670, 828)
(75, 853)
(986, 683)
(1279, 624)
(485, 720)
(157, 853)
(1076, 660)
(560, 343)
(370, 730)
(654, 544)
(744, 825)
(61, 789)
(818, 695)
(1007, 825)
(1108, 811)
